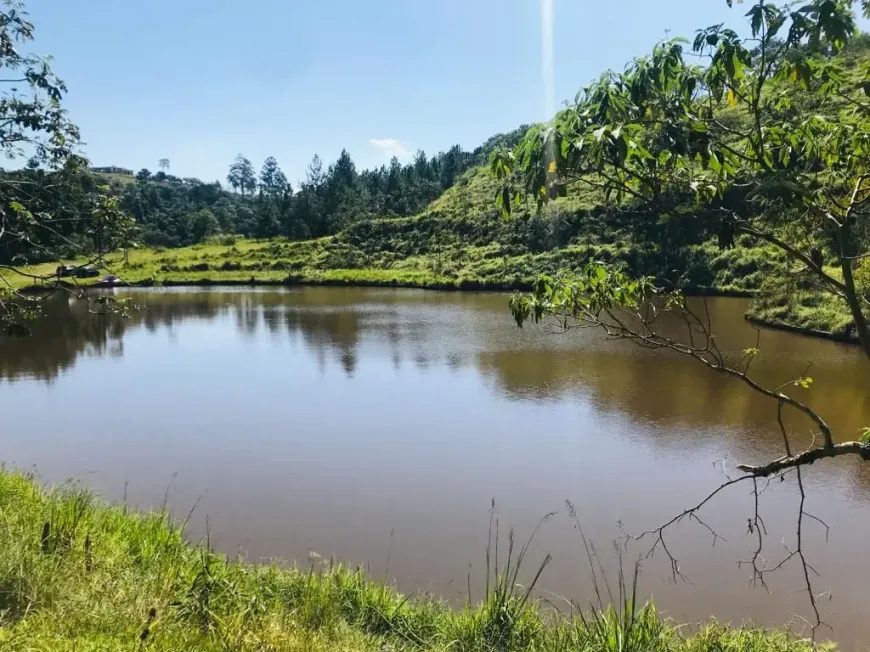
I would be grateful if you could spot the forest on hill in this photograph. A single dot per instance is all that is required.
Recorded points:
(170, 211)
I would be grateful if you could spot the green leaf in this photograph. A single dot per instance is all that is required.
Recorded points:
(505, 201)
(621, 150)
(714, 162)
(865, 435)
(756, 19)
(804, 382)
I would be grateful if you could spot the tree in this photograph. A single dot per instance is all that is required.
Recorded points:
(656, 131)
(163, 164)
(272, 179)
(726, 135)
(343, 174)
(143, 175)
(453, 163)
(31, 120)
(168, 210)
(396, 188)
(421, 164)
(314, 173)
(268, 225)
(242, 177)
(203, 224)
(275, 201)
(34, 124)
(342, 196)
(308, 210)
(225, 212)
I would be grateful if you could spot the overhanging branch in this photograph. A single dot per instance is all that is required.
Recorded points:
(807, 457)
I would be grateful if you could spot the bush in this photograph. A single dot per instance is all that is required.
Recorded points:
(224, 240)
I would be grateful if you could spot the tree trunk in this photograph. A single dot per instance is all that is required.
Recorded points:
(854, 302)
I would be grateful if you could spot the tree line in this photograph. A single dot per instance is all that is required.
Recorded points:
(172, 212)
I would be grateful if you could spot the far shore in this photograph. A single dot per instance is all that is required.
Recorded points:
(382, 278)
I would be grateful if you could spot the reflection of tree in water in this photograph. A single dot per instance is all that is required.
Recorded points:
(67, 330)
(56, 343)
(677, 397)
(327, 330)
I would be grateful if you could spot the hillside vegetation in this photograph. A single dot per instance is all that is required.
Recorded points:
(462, 241)
(435, 223)
(432, 222)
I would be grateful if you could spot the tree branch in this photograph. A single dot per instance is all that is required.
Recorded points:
(807, 457)
(795, 253)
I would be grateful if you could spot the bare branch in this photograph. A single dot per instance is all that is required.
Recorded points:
(837, 285)
(806, 567)
(807, 457)
(709, 355)
(691, 512)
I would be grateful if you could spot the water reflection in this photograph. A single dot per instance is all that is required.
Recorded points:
(428, 329)
(424, 329)
(328, 325)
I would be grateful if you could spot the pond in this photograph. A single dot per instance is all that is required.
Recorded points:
(377, 426)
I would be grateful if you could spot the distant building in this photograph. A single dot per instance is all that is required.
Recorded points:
(113, 170)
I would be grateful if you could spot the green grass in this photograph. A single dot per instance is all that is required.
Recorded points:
(795, 300)
(810, 310)
(111, 177)
(422, 251)
(76, 574)
(439, 262)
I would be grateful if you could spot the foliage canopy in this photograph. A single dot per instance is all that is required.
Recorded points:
(768, 133)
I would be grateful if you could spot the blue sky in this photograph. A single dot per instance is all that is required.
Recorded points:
(199, 81)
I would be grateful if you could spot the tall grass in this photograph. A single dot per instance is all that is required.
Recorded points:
(76, 574)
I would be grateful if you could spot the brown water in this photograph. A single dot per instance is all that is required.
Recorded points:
(376, 425)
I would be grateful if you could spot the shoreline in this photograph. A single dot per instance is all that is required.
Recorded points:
(169, 593)
(458, 285)
(462, 285)
(842, 338)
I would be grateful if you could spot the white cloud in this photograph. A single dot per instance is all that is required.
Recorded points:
(390, 147)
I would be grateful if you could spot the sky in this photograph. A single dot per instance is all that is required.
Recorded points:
(200, 81)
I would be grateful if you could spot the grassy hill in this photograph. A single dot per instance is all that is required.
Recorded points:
(462, 241)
